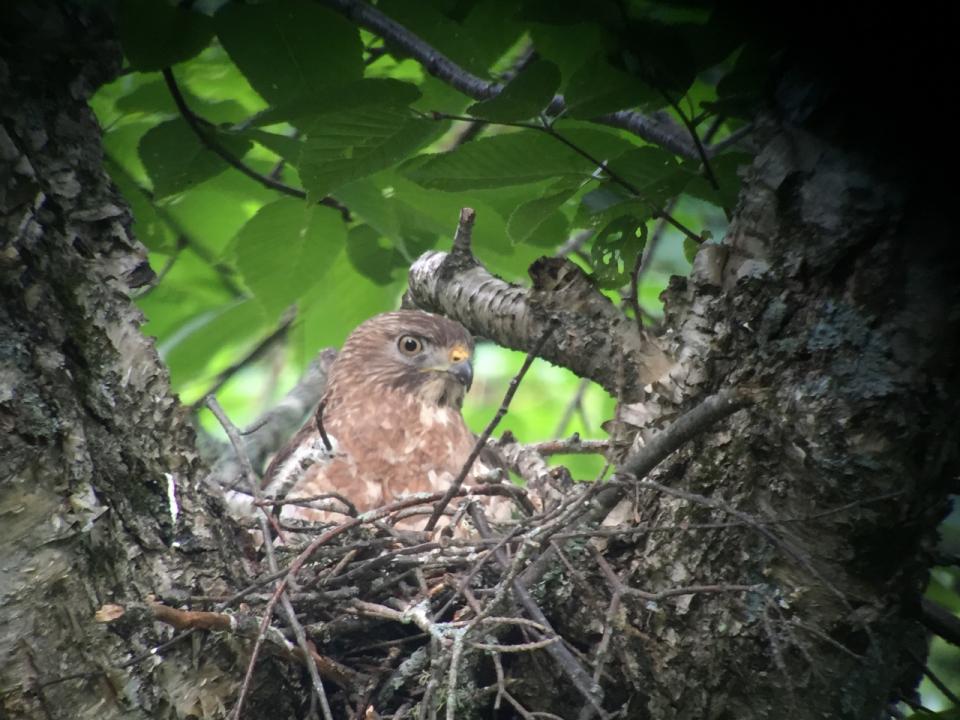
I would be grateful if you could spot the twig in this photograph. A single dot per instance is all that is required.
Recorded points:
(575, 404)
(234, 435)
(573, 445)
(561, 655)
(194, 121)
(940, 621)
(685, 428)
(463, 237)
(692, 129)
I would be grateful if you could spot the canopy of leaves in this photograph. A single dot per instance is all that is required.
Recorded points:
(284, 159)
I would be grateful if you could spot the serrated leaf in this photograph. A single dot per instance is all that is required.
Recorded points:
(513, 159)
(290, 48)
(156, 34)
(345, 146)
(382, 92)
(524, 97)
(598, 88)
(176, 160)
(615, 249)
(285, 249)
(529, 216)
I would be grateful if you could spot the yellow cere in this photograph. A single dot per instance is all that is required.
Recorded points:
(459, 353)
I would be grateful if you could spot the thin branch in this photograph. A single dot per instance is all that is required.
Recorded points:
(196, 124)
(692, 129)
(258, 350)
(466, 223)
(659, 130)
(254, 482)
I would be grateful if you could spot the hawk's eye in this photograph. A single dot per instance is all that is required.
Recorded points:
(409, 345)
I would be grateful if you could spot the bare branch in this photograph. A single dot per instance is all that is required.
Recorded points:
(591, 328)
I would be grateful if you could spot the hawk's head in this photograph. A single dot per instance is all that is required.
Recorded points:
(420, 353)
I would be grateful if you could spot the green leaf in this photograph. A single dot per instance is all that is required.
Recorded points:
(373, 256)
(598, 88)
(474, 37)
(654, 173)
(383, 92)
(514, 159)
(690, 247)
(332, 309)
(615, 250)
(529, 216)
(285, 249)
(290, 48)
(524, 97)
(345, 146)
(154, 97)
(156, 34)
(190, 350)
(725, 168)
(148, 227)
(176, 160)
(289, 148)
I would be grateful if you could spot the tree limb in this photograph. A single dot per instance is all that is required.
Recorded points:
(658, 129)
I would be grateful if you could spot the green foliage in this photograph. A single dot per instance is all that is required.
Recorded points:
(297, 93)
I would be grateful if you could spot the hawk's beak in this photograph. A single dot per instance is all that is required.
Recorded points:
(460, 366)
(463, 372)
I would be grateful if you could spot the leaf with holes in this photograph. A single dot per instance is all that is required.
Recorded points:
(615, 250)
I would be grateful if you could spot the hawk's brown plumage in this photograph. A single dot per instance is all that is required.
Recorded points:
(392, 405)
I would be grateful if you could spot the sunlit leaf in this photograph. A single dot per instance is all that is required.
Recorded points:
(189, 351)
(285, 249)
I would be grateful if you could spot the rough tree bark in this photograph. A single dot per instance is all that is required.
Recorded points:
(833, 299)
(99, 480)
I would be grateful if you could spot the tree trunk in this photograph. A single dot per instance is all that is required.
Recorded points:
(832, 302)
(98, 473)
